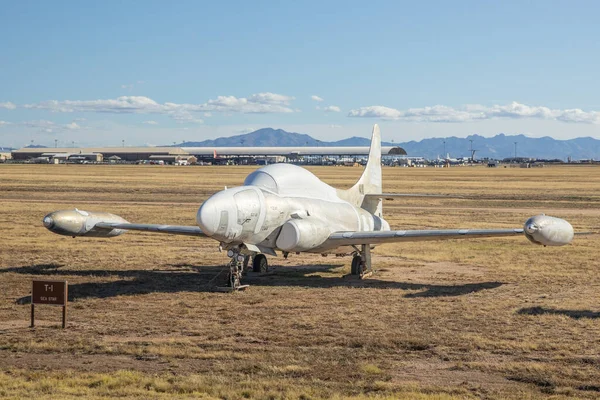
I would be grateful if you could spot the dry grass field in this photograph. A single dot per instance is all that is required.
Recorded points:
(487, 318)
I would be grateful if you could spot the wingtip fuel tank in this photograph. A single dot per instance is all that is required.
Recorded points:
(81, 223)
(548, 231)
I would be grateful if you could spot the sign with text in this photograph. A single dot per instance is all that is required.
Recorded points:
(49, 292)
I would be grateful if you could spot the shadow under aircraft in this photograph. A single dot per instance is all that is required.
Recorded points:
(195, 278)
(575, 314)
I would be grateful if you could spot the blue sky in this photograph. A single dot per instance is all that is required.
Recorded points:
(152, 73)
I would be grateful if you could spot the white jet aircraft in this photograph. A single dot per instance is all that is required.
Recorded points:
(283, 207)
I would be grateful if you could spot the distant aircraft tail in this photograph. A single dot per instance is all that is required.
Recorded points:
(370, 181)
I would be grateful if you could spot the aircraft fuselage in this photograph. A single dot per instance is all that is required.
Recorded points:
(291, 222)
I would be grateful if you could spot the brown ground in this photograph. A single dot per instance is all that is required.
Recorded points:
(489, 318)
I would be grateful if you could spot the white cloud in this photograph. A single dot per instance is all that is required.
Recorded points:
(7, 105)
(151, 122)
(329, 108)
(49, 126)
(2, 123)
(207, 114)
(131, 86)
(332, 109)
(270, 98)
(375, 112)
(316, 98)
(42, 123)
(123, 104)
(261, 103)
(256, 103)
(183, 117)
(334, 126)
(72, 126)
(477, 112)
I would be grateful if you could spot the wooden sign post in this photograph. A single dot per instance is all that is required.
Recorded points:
(53, 293)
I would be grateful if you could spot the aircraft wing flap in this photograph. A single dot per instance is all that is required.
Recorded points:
(172, 229)
(380, 237)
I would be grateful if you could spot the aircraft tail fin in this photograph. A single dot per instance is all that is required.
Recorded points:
(370, 181)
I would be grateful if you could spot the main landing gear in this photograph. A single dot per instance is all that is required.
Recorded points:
(259, 264)
(237, 264)
(361, 262)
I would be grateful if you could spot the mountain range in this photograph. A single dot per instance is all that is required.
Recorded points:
(498, 147)
(502, 146)
(269, 137)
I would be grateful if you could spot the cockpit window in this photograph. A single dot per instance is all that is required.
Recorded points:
(263, 180)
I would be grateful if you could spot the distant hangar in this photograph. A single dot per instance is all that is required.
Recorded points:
(124, 153)
(148, 153)
(289, 151)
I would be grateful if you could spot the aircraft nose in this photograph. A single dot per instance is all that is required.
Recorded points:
(208, 217)
(216, 215)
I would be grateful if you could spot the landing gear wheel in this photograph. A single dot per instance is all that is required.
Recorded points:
(260, 264)
(355, 267)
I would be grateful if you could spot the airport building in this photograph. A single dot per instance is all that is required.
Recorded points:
(124, 153)
(290, 152)
(177, 155)
(182, 159)
(93, 157)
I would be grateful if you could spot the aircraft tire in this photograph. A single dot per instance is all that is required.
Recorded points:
(355, 266)
(260, 264)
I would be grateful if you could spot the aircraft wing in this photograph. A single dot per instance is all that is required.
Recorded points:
(380, 237)
(391, 196)
(172, 229)
(540, 229)
(100, 224)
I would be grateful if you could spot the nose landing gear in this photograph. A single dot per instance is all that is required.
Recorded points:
(236, 266)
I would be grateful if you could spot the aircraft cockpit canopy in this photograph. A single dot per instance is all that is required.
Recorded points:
(263, 180)
(290, 180)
